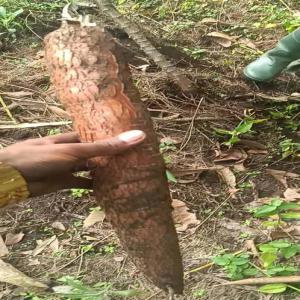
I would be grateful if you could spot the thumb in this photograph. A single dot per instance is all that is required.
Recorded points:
(112, 146)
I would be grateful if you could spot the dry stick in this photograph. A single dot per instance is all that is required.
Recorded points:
(35, 125)
(136, 33)
(265, 280)
(6, 109)
(190, 129)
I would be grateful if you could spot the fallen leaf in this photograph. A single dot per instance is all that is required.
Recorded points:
(94, 217)
(248, 43)
(119, 258)
(281, 176)
(182, 217)
(222, 39)
(291, 194)
(170, 140)
(3, 249)
(239, 167)
(4, 229)
(59, 112)
(42, 245)
(228, 177)
(12, 239)
(20, 94)
(11, 275)
(209, 21)
(54, 246)
(250, 245)
(293, 231)
(231, 156)
(249, 144)
(33, 262)
(59, 226)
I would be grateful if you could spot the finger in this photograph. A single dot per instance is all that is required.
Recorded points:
(112, 146)
(64, 138)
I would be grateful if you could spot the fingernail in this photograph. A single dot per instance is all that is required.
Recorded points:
(132, 137)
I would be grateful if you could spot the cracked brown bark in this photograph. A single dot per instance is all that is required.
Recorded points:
(94, 84)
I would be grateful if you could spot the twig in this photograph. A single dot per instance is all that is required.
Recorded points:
(210, 264)
(136, 33)
(82, 253)
(286, 6)
(265, 280)
(35, 125)
(6, 109)
(190, 129)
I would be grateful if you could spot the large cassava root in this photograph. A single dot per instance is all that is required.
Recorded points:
(94, 84)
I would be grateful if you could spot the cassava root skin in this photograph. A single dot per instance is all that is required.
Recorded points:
(94, 84)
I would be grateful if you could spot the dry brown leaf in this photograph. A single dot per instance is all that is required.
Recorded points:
(42, 245)
(119, 258)
(249, 144)
(3, 249)
(209, 21)
(248, 43)
(228, 177)
(59, 226)
(239, 167)
(94, 217)
(33, 262)
(11, 275)
(293, 231)
(231, 156)
(170, 140)
(4, 229)
(222, 39)
(292, 194)
(282, 176)
(59, 112)
(12, 238)
(250, 245)
(54, 246)
(182, 217)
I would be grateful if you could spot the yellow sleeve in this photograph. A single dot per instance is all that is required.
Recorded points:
(13, 187)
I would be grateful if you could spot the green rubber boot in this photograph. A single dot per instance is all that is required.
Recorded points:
(273, 62)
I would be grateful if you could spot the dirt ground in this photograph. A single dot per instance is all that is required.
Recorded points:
(222, 99)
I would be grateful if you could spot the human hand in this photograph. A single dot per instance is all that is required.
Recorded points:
(47, 164)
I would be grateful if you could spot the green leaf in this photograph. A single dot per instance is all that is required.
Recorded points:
(268, 258)
(170, 177)
(281, 270)
(290, 215)
(276, 202)
(18, 12)
(232, 141)
(2, 11)
(244, 127)
(265, 211)
(240, 261)
(290, 251)
(223, 131)
(273, 288)
(267, 248)
(280, 244)
(250, 272)
(222, 260)
(287, 206)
